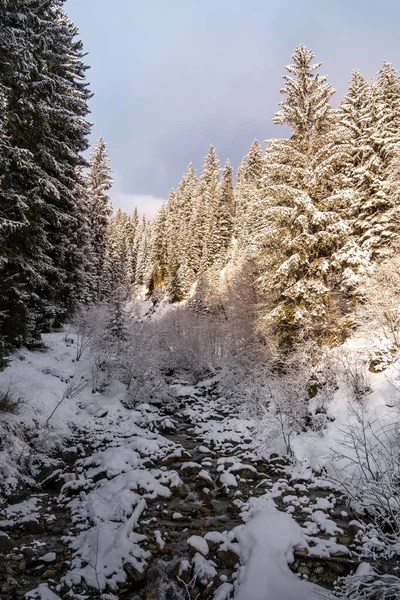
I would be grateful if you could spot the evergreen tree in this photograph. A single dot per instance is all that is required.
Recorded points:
(370, 113)
(117, 268)
(143, 250)
(307, 250)
(132, 250)
(207, 208)
(117, 329)
(223, 218)
(85, 283)
(187, 195)
(42, 135)
(100, 182)
(254, 164)
(158, 252)
(248, 197)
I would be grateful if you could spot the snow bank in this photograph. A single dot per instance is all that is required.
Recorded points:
(266, 544)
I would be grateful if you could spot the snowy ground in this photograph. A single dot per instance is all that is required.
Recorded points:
(173, 501)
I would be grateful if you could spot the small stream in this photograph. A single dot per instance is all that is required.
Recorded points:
(32, 551)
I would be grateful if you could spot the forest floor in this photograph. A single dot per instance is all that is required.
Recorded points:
(169, 501)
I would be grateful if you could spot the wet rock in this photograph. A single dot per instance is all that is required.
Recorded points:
(31, 526)
(28, 552)
(204, 477)
(228, 558)
(99, 476)
(190, 469)
(206, 511)
(167, 426)
(338, 567)
(50, 574)
(152, 575)
(134, 574)
(244, 471)
(6, 543)
(183, 571)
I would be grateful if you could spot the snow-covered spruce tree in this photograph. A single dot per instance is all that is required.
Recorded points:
(129, 228)
(206, 210)
(117, 269)
(309, 261)
(187, 199)
(155, 277)
(43, 132)
(85, 279)
(100, 182)
(173, 250)
(370, 113)
(67, 97)
(142, 243)
(20, 268)
(117, 331)
(197, 230)
(223, 215)
(248, 209)
(183, 241)
(132, 249)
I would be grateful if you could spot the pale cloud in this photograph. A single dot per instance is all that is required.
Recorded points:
(146, 203)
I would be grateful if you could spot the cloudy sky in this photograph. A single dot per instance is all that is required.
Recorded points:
(172, 76)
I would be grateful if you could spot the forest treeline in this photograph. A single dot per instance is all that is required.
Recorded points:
(308, 216)
(313, 213)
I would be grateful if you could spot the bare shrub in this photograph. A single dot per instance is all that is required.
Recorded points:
(8, 402)
(380, 313)
(372, 586)
(299, 393)
(89, 324)
(367, 469)
(352, 369)
(192, 342)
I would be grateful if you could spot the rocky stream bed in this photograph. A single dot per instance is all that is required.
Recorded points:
(163, 496)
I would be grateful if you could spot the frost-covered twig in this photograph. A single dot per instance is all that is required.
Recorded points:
(74, 388)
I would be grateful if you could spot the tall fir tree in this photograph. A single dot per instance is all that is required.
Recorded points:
(308, 254)
(143, 246)
(42, 135)
(370, 113)
(99, 183)
(157, 273)
(207, 208)
(249, 198)
(223, 217)
(187, 198)
(85, 283)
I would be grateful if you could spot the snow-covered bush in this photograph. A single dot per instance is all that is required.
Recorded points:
(380, 313)
(140, 365)
(8, 402)
(367, 469)
(299, 392)
(192, 343)
(352, 370)
(367, 584)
